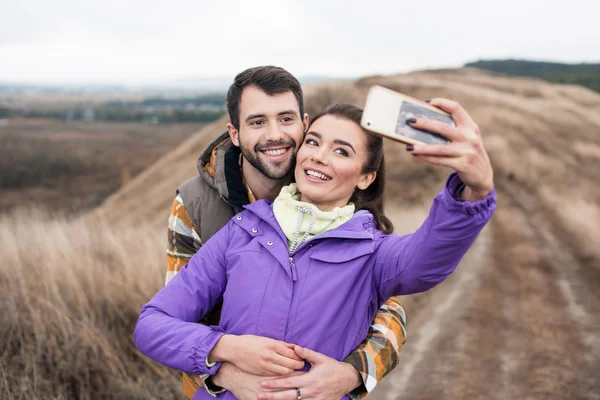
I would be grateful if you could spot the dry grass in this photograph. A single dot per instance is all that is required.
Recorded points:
(75, 166)
(70, 294)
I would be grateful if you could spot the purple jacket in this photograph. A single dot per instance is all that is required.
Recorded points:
(266, 291)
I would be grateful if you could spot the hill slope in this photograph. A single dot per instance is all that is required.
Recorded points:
(520, 317)
(587, 75)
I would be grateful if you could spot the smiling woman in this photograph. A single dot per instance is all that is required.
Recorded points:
(339, 162)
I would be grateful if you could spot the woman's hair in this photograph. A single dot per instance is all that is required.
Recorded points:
(370, 199)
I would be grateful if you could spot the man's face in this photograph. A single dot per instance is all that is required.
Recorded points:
(271, 131)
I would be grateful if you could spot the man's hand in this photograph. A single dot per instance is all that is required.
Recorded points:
(466, 154)
(257, 355)
(327, 379)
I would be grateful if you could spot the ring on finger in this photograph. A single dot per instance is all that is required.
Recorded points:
(298, 394)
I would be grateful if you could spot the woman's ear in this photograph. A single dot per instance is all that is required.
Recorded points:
(366, 180)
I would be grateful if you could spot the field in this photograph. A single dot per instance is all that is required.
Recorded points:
(70, 294)
(74, 166)
(520, 319)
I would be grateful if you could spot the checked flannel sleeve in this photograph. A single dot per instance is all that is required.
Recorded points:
(183, 243)
(378, 354)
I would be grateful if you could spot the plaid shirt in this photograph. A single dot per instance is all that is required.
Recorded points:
(376, 356)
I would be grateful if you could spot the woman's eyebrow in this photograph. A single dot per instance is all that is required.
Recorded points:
(344, 143)
(337, 141)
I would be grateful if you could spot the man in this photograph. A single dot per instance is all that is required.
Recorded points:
(253, 160)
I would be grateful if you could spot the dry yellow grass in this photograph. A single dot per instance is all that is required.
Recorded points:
(70, 294)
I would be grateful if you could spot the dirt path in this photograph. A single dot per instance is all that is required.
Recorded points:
(520, 319)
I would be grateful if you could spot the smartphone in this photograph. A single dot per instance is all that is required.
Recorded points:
(386, 112)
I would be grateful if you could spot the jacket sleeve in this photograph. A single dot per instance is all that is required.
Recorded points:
(417, 262)
(167, 329)
(379, 353)
(183, 240)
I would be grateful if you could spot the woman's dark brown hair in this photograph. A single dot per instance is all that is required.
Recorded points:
(370, 199)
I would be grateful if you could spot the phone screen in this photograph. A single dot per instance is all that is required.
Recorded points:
(411, 110)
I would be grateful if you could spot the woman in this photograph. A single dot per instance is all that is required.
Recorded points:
(324, 240)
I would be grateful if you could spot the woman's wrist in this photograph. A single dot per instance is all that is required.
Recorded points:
(222, 350)
(472, 195)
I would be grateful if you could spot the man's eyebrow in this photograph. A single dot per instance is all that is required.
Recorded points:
(279, 114)
(286, 112)
(342, 142)
(252, 116)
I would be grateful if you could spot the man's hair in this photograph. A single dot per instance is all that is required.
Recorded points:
(271, 80)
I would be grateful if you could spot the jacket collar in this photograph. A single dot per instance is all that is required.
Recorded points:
(218, 165)
(360, 226)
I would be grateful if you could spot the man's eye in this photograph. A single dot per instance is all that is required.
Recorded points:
(287, 119)
(258, 122)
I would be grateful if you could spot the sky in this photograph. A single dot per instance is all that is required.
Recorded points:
(161, 42)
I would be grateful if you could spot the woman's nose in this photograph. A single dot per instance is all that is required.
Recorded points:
(320, 156)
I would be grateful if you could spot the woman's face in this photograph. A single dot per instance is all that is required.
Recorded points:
(330, 162)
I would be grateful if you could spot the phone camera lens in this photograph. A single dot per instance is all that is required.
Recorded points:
(368, 123)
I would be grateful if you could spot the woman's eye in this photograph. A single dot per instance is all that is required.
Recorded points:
(342, 152)
(311, 142)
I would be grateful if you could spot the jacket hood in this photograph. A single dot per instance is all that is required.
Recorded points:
(218, 166)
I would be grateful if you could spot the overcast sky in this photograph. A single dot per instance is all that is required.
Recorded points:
(157, 41)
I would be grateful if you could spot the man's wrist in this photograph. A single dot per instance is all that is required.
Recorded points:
(354, 377)
(225, 376)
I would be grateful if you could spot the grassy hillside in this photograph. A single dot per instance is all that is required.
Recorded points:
(587, 75)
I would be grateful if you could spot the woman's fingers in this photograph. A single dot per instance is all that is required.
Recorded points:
(288, 363)
(287, 350)
(453, 133)
(451, 162)
(459, 114)
(448, 131)
(440, 150)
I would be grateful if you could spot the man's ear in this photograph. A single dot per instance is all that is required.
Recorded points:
(305, 122)
(366, 180)
(234, 134)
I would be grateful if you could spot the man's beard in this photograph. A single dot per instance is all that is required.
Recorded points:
(270, 170)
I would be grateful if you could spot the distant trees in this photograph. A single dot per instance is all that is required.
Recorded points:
(587, 75)
(204, 108)
(4, 112)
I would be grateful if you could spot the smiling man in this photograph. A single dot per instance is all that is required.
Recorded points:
(253, 160)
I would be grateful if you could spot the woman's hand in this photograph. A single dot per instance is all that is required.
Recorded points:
(466, 154)
(256, 355)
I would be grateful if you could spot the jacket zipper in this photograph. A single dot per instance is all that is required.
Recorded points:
(293, 269)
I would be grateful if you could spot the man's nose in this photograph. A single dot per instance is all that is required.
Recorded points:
(274, 133)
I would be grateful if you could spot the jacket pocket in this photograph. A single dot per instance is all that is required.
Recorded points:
(342, 252)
